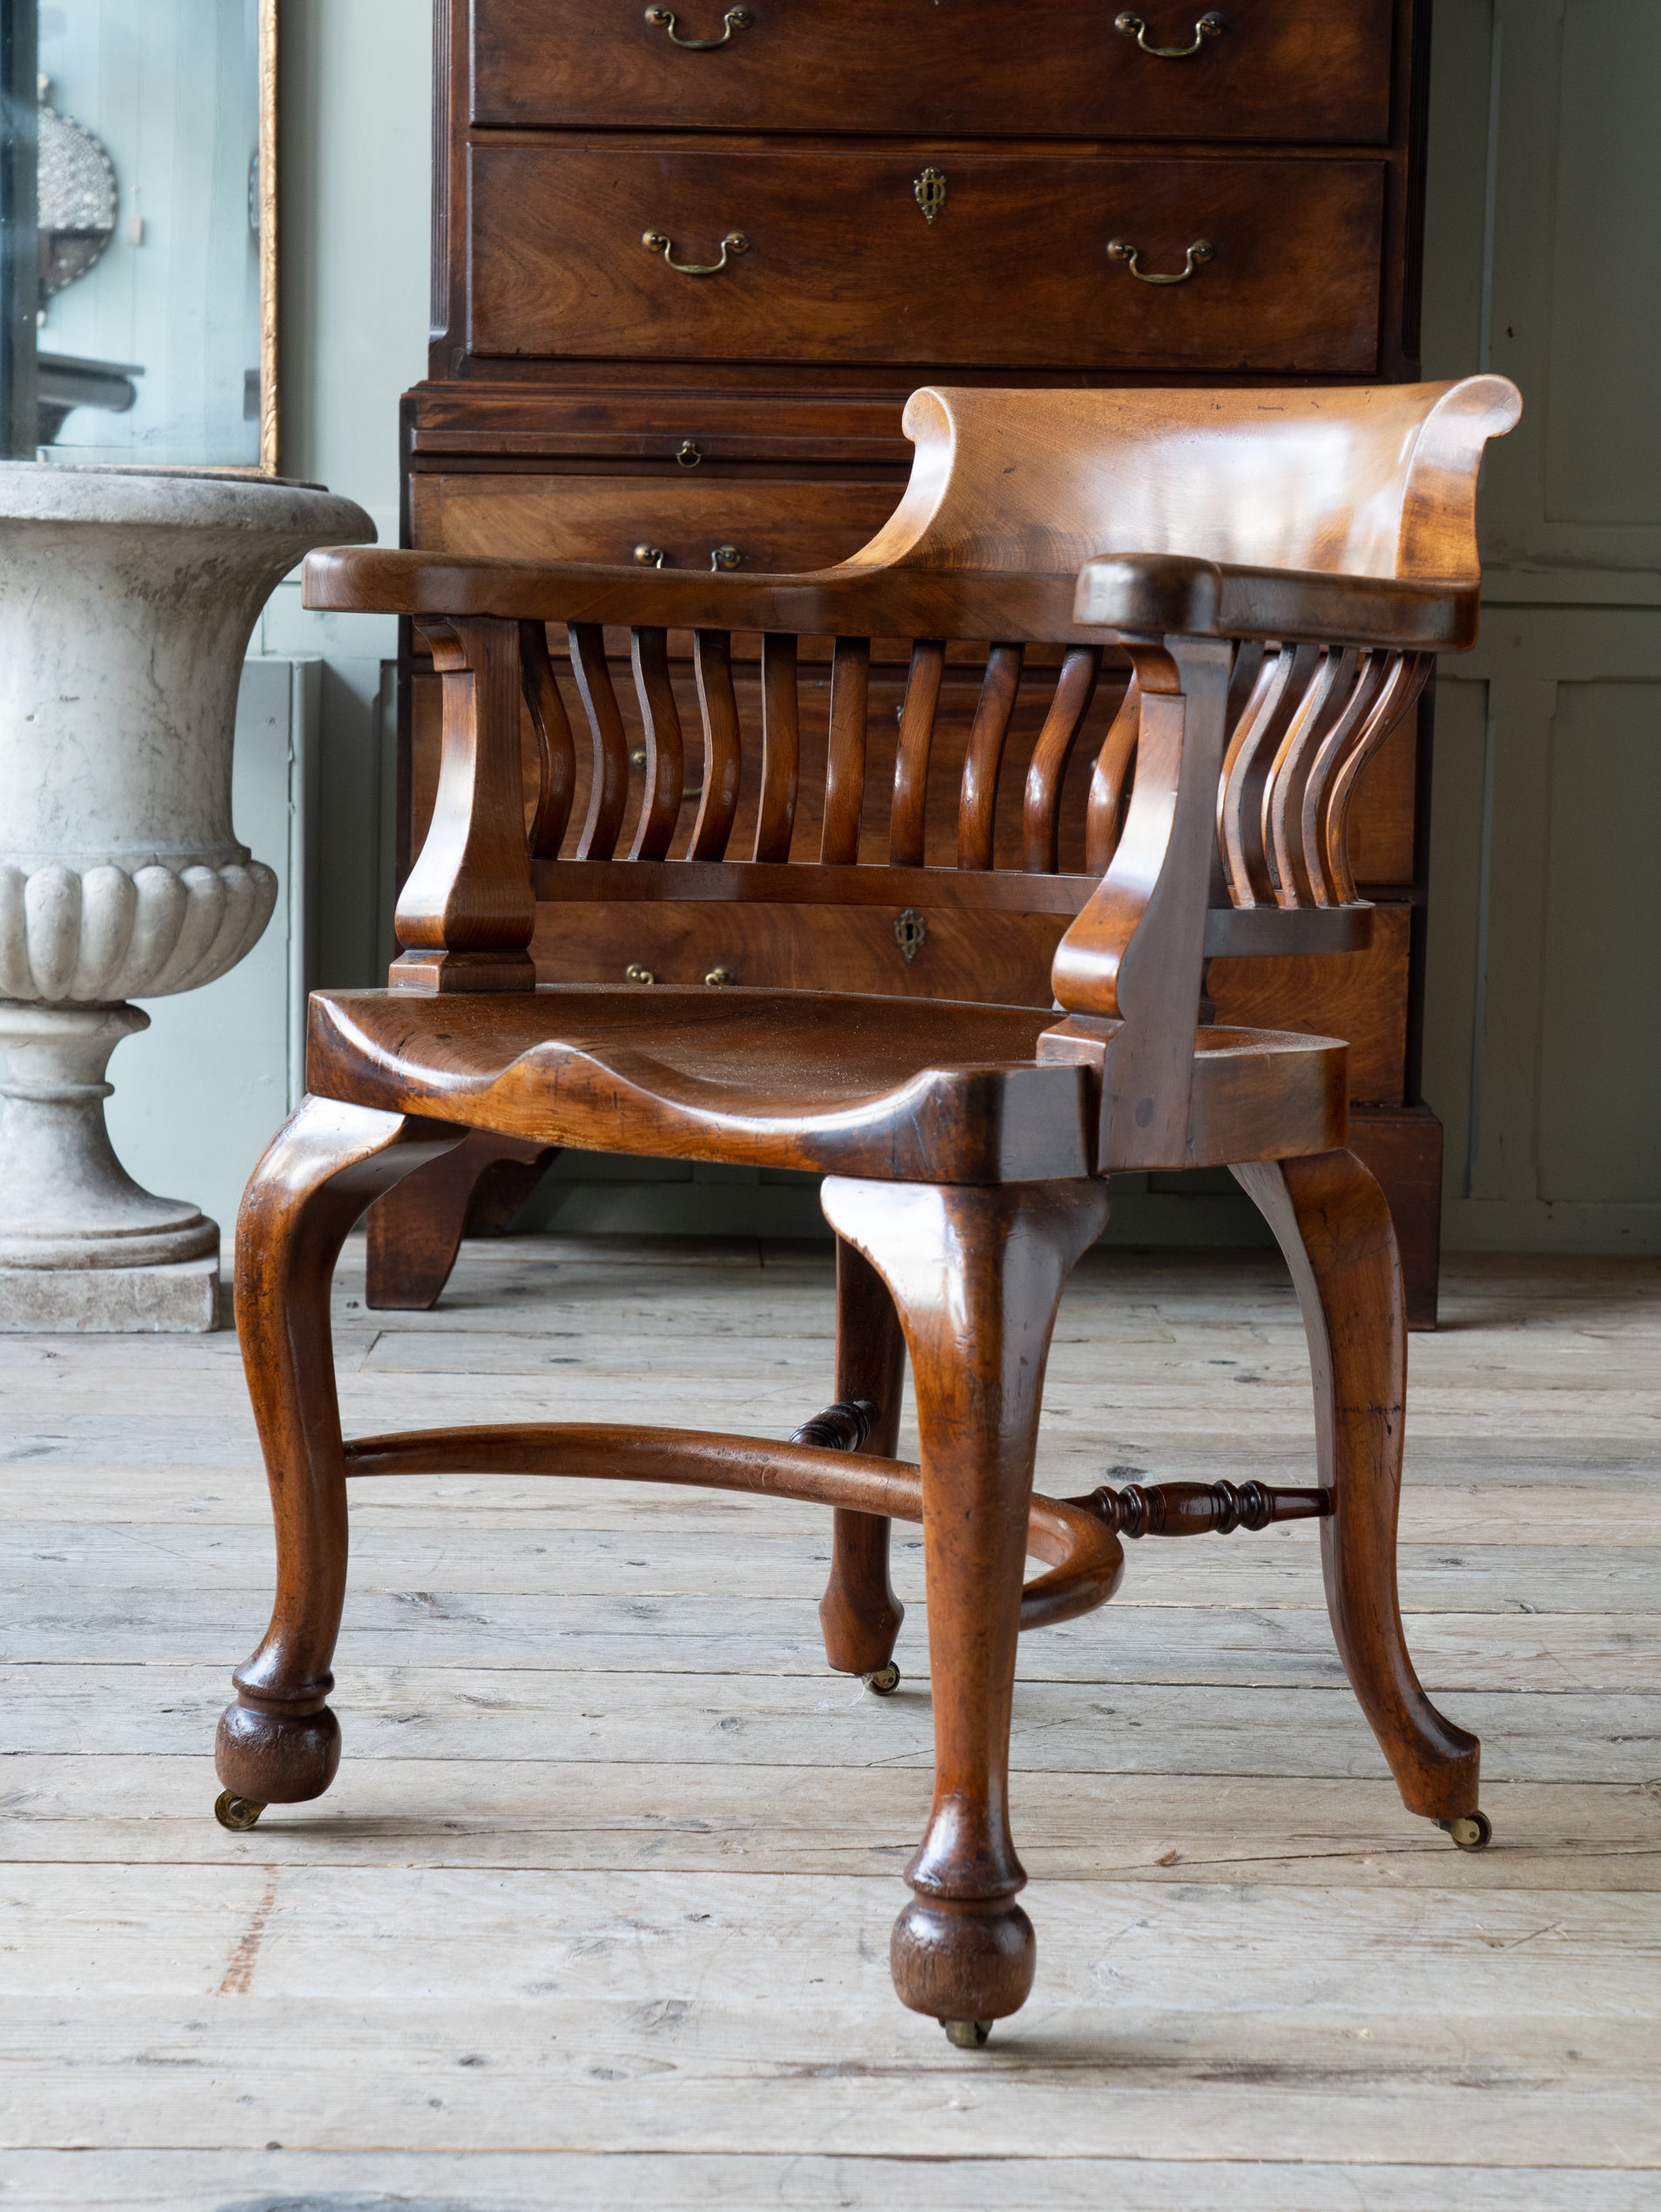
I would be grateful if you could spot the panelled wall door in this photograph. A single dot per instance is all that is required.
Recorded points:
(688, 263)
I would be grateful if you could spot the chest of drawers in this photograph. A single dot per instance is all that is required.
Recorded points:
(689, 262)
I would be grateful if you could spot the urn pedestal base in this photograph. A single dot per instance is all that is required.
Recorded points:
(82, 1245)
(179, 1301)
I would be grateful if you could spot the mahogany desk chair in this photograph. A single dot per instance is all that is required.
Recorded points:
(1278, 567)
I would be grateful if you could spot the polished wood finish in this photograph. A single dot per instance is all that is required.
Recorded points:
(279, 1743)
(558, 270)
(415, 1229)
(1314, 69)
(859, 1613)
(585, 401)
(1331, 1221)
(976, 1276)
(467, 911)
(966, 1147)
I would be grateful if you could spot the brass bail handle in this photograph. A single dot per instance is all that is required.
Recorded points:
(666, 19)
(660, 242)
(1134, 26)
(1198, 254)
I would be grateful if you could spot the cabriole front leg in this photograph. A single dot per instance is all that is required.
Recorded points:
(977, 1276)
(1333, 1224)
(279, 1743)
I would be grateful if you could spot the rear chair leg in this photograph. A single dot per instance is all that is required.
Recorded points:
(1334, 1226)
(279, 1743)
(859, 1613)
(976, 1276)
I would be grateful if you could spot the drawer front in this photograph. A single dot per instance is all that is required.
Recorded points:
(1311, 69)
(1361, 997)
(842, 266)
(688, 519)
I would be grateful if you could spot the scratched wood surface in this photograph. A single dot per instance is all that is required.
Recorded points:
(598, 1906)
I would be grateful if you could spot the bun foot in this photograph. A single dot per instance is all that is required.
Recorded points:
(1473, 1831)
(238, 1814)
(276, 1759)
(884, 1682)
(967, 2035)
(963, 1963)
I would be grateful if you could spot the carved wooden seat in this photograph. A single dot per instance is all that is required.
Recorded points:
(1265, 576)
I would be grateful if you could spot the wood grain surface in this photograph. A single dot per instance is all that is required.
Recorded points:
(613, 1858)
(558, 269)
(1284, 69)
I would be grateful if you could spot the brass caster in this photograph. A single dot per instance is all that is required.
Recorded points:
(238, 1814)
(884, 1682)
(1472, 1832)
(967, 2035)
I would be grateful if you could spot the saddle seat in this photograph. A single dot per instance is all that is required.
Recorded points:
(901, 1089)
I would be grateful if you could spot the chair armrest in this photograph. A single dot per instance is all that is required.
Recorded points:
(1162, 595)
(848, 601)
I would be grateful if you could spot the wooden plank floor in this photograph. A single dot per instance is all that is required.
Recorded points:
(597, 1911)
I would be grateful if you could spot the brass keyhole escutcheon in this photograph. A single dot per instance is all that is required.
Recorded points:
(930, 194)
(908, 933)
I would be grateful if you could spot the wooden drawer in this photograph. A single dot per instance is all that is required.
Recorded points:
(842, 266)
(773, 525)
(1361, 997)
(1004, 958)
(1313, 70)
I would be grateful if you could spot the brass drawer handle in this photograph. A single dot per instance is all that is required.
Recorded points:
(1199, 253)
(1209, 26)
(650, 556)
(720, 979)
(658, 242)
(664, 19)
(635, 973)
(726, 556)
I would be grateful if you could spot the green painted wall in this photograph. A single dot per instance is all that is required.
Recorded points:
(1542, 1045)
(1544, 995)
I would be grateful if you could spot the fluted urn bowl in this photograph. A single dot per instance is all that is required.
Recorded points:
(127, 599)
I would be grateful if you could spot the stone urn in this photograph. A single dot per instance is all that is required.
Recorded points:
(127, 599)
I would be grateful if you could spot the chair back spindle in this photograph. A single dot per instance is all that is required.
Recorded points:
(1277, 570)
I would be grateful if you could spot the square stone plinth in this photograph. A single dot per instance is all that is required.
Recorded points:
(179, 1301)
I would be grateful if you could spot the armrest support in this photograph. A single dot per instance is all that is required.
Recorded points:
(1128, 972)
(1164, 594)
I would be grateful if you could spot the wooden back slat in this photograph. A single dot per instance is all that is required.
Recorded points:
(1075, 690)
(722, 753)
(555, 749)
(844, 776)
(781, 746)
(660, 806)
(1251, 755)
(1339, 741)
(1406, 679)
(1110, 782)
(908, 823)
(984, 758)
(1320, 709)
(609, 785)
